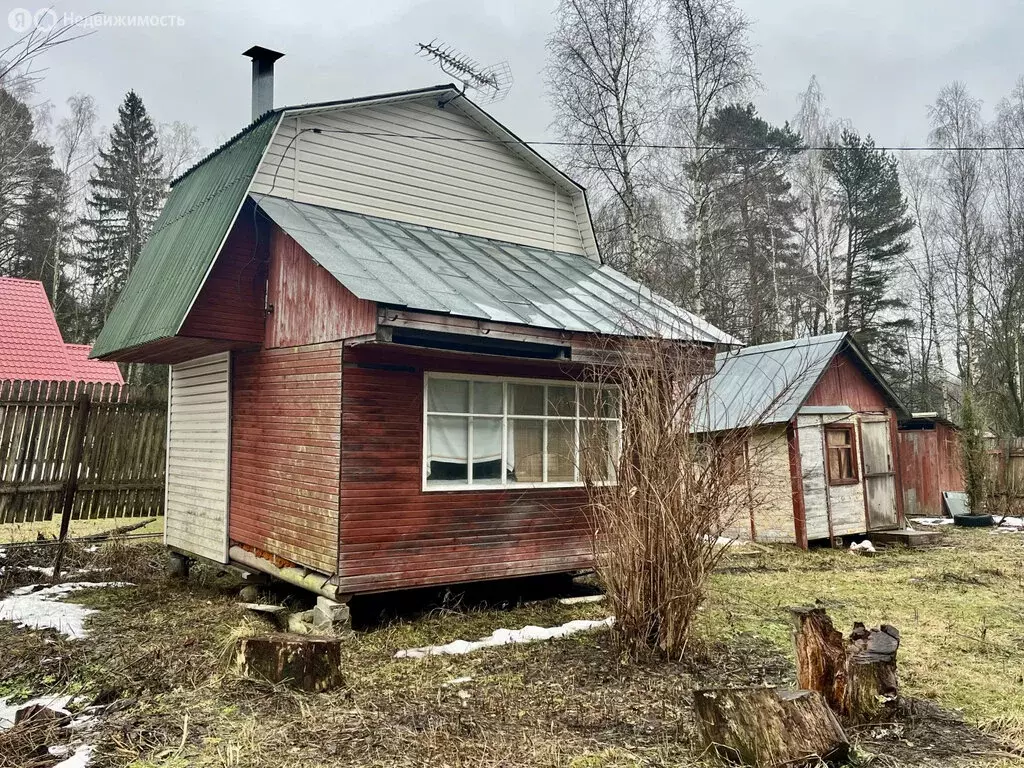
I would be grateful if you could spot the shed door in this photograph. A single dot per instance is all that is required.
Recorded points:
(198, 438)
(879, 473)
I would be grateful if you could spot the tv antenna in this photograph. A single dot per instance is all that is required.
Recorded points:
(490, 84)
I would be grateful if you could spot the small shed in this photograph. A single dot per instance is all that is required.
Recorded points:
(31, 345)
(929, 459)
(380, 314)
(821, 444)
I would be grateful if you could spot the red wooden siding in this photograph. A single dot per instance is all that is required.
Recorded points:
(230, 303)
(285, 450)
(310, 305)
(929, 461)
(844, 383)
(394, 535)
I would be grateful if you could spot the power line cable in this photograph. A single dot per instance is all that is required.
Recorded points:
(609, 145)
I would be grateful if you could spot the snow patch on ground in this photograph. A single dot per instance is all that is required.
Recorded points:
(36, 607)
(1010, 525)
(8, 711)
(932, 520)
(80, 759)
(529, 634)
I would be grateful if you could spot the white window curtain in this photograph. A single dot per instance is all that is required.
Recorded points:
(544, 426)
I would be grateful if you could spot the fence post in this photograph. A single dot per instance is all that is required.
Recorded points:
(77, 438)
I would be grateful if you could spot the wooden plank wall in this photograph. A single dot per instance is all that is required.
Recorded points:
(230, 304)
(286, 420)
(393, 534)
(310, 305)
(121, 473)
(844, 383)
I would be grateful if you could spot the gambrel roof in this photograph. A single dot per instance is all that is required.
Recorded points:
(205, 201)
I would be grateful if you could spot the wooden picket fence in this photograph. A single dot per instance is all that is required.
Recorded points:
(81, 450)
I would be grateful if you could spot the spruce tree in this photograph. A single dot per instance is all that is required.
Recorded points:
(126, 191)
(876, 226)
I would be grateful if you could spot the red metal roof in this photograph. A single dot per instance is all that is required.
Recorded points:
(31, 345)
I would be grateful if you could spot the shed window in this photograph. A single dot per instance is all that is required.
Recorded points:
(516, 432)
(842, 462)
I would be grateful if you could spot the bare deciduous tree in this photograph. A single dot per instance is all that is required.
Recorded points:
(180, 147)
(711, 66)
(602, 76)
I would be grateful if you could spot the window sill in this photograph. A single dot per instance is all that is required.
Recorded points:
(852, 481)
(485, 488)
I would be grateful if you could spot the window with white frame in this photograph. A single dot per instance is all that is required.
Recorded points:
(486, 431)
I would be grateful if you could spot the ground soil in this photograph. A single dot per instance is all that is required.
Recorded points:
(158, 656)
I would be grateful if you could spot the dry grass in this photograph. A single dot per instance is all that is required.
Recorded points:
(159, 649)
(18, 532)
(957, 606)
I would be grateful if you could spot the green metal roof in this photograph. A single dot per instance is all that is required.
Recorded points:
(195, 220)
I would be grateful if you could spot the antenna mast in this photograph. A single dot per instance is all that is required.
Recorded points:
(490, 83)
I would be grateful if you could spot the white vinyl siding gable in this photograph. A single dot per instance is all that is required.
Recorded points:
(198, 435)
(368, 160)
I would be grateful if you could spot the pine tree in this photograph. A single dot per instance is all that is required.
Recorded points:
(751, 230)
(873, 212)
(126, 192)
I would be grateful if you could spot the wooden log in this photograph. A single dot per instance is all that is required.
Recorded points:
(856, 676)
(306, 663)
(769, 727)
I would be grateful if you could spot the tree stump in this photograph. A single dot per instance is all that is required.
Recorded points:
(857, 676)
(306, 663)
(768, 727)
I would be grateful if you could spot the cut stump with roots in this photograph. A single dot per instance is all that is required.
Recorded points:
(856, 675)
(768, 727)
(306, 663)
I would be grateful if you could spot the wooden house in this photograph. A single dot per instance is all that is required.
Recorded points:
(379, 315)
(821, 441)
(929, 460)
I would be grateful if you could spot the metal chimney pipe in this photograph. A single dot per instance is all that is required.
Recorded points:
(262, 78)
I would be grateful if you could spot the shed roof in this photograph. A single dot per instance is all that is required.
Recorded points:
(432, 270)
(768, 383)
(31, 345)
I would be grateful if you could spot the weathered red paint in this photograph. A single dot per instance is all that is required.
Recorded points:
(395, 535)
(844, 383)
(230, 304)
(285, 451)
(928, 457)
(309, 304)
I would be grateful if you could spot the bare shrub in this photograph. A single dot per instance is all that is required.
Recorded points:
(659, 513)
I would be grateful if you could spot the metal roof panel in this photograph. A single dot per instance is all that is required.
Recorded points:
(438, 271)
(765, 384)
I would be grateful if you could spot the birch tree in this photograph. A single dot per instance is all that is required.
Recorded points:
(1002, 283)
(602, 77)
(816, 306)
(958, 130)
(712, 66)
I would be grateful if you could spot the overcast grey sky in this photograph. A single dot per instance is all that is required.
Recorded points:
(880, 62)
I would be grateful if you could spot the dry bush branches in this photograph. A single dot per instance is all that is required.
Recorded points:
(658, 528)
